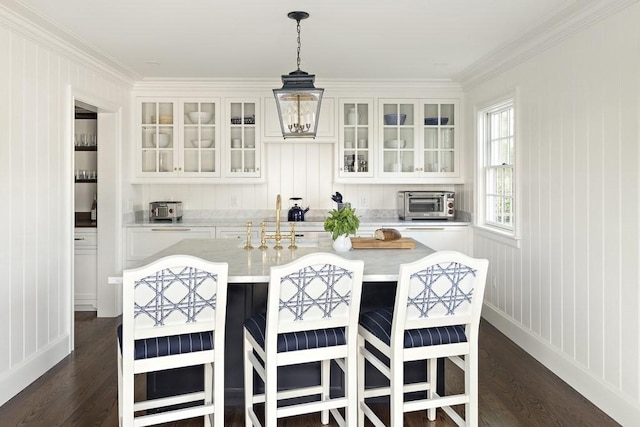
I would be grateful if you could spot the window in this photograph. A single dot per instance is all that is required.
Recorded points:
(497, 168)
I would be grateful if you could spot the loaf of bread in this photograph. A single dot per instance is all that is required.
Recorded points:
(386, 234)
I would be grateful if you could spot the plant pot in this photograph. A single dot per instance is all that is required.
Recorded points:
(342, 244)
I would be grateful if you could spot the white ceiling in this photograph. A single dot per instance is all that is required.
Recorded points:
(342, 39)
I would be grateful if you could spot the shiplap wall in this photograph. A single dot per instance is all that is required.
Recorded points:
(570, 295)
(36, 187)
(293, 170)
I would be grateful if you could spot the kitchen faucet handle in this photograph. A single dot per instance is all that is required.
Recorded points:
(248, 244)
(292, 238)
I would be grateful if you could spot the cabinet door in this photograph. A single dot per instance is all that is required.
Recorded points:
(158, 139)
(243, 143)
(440, 149)
(201, 145)
(355, 142)
(440, 238)
(85, 279)
(399, 141)
(143, 242)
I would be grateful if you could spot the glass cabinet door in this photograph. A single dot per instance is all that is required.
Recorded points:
(158, 137)
(439, 138)
(399, 140)
(201, 151)
(243, 139)
(356, 138)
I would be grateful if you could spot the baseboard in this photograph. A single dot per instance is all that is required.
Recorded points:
(601, 394)
(20, 376)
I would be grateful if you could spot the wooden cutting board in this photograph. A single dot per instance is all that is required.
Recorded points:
(372, 243)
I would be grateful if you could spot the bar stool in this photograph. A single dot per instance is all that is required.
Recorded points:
(173, 316)
(436, 314)
(312, 316)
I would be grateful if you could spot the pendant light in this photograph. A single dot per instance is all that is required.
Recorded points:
(299, 100)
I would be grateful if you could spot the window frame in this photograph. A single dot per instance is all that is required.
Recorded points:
(495, 230)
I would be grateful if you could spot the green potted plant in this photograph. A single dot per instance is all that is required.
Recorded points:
(341, 223)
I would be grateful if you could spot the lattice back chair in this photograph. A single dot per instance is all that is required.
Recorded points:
(173, 316)
(313, 305)
(436, 314)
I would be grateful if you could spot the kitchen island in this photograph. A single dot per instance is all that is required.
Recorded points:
(248, 284)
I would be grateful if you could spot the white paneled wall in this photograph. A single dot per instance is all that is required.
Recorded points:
(293, 170)
(36, 186)
(571, 294)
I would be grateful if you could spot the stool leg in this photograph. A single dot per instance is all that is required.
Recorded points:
(397, 392)
(432, 379)
(325, 379)
(361, 382)
(351, 387)
(248, 381)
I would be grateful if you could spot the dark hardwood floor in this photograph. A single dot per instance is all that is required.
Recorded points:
(81, 390)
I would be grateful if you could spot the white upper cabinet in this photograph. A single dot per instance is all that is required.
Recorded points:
(402, 141)
(326, 123)
(355, 148)
(417, 141)
(184, 140)
(202, 146)
(242, 139)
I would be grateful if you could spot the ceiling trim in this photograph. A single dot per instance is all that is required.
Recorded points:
(562, 25)
(46, 33)
(380, 86)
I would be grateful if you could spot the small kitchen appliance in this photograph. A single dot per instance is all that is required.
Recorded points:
(426, 205)
(296, 212)
(159, 211)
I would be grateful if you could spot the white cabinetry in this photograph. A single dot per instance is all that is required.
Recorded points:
(191, 140)
(143, 242)
(242, 141)
(85, 269)
(326, 122)
(355, 148)
(440, 237)
(417, 141)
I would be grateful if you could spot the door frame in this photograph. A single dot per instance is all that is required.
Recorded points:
(109, 235)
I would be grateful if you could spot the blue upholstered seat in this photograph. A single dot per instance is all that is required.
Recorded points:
(378, 322)
(293, 341)
(165, 346)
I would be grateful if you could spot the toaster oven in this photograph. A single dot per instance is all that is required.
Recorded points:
(165, 211)
(426, 205)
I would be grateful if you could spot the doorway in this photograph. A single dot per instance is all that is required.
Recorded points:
(104, 158)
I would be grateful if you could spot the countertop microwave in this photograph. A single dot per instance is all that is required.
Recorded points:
(426, 205)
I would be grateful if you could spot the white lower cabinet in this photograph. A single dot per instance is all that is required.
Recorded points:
(85, 269)
(143, 242)
(440, 237)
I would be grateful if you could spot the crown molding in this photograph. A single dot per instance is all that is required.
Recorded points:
(567, 21)
(181, 84)
(44, 32)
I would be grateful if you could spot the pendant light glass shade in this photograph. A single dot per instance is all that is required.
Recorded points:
(298, 100)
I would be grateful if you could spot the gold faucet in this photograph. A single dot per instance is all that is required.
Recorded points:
(278, 208)
(277, 236)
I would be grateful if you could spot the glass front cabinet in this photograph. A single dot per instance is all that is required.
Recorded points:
(355, 149)
(195, 138)
(417, 139)
(242, 139)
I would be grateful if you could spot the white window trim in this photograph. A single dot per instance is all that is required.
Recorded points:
(508, 237)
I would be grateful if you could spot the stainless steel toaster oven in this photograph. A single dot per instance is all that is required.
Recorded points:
(426, 205)
(165, 211)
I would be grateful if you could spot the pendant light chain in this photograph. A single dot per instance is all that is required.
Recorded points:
(298, 28)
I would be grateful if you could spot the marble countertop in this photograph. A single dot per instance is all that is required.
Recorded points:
(313, 223)
(253, 266)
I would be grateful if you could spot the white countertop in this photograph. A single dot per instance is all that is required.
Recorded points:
(253, 266)
(313, 223)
